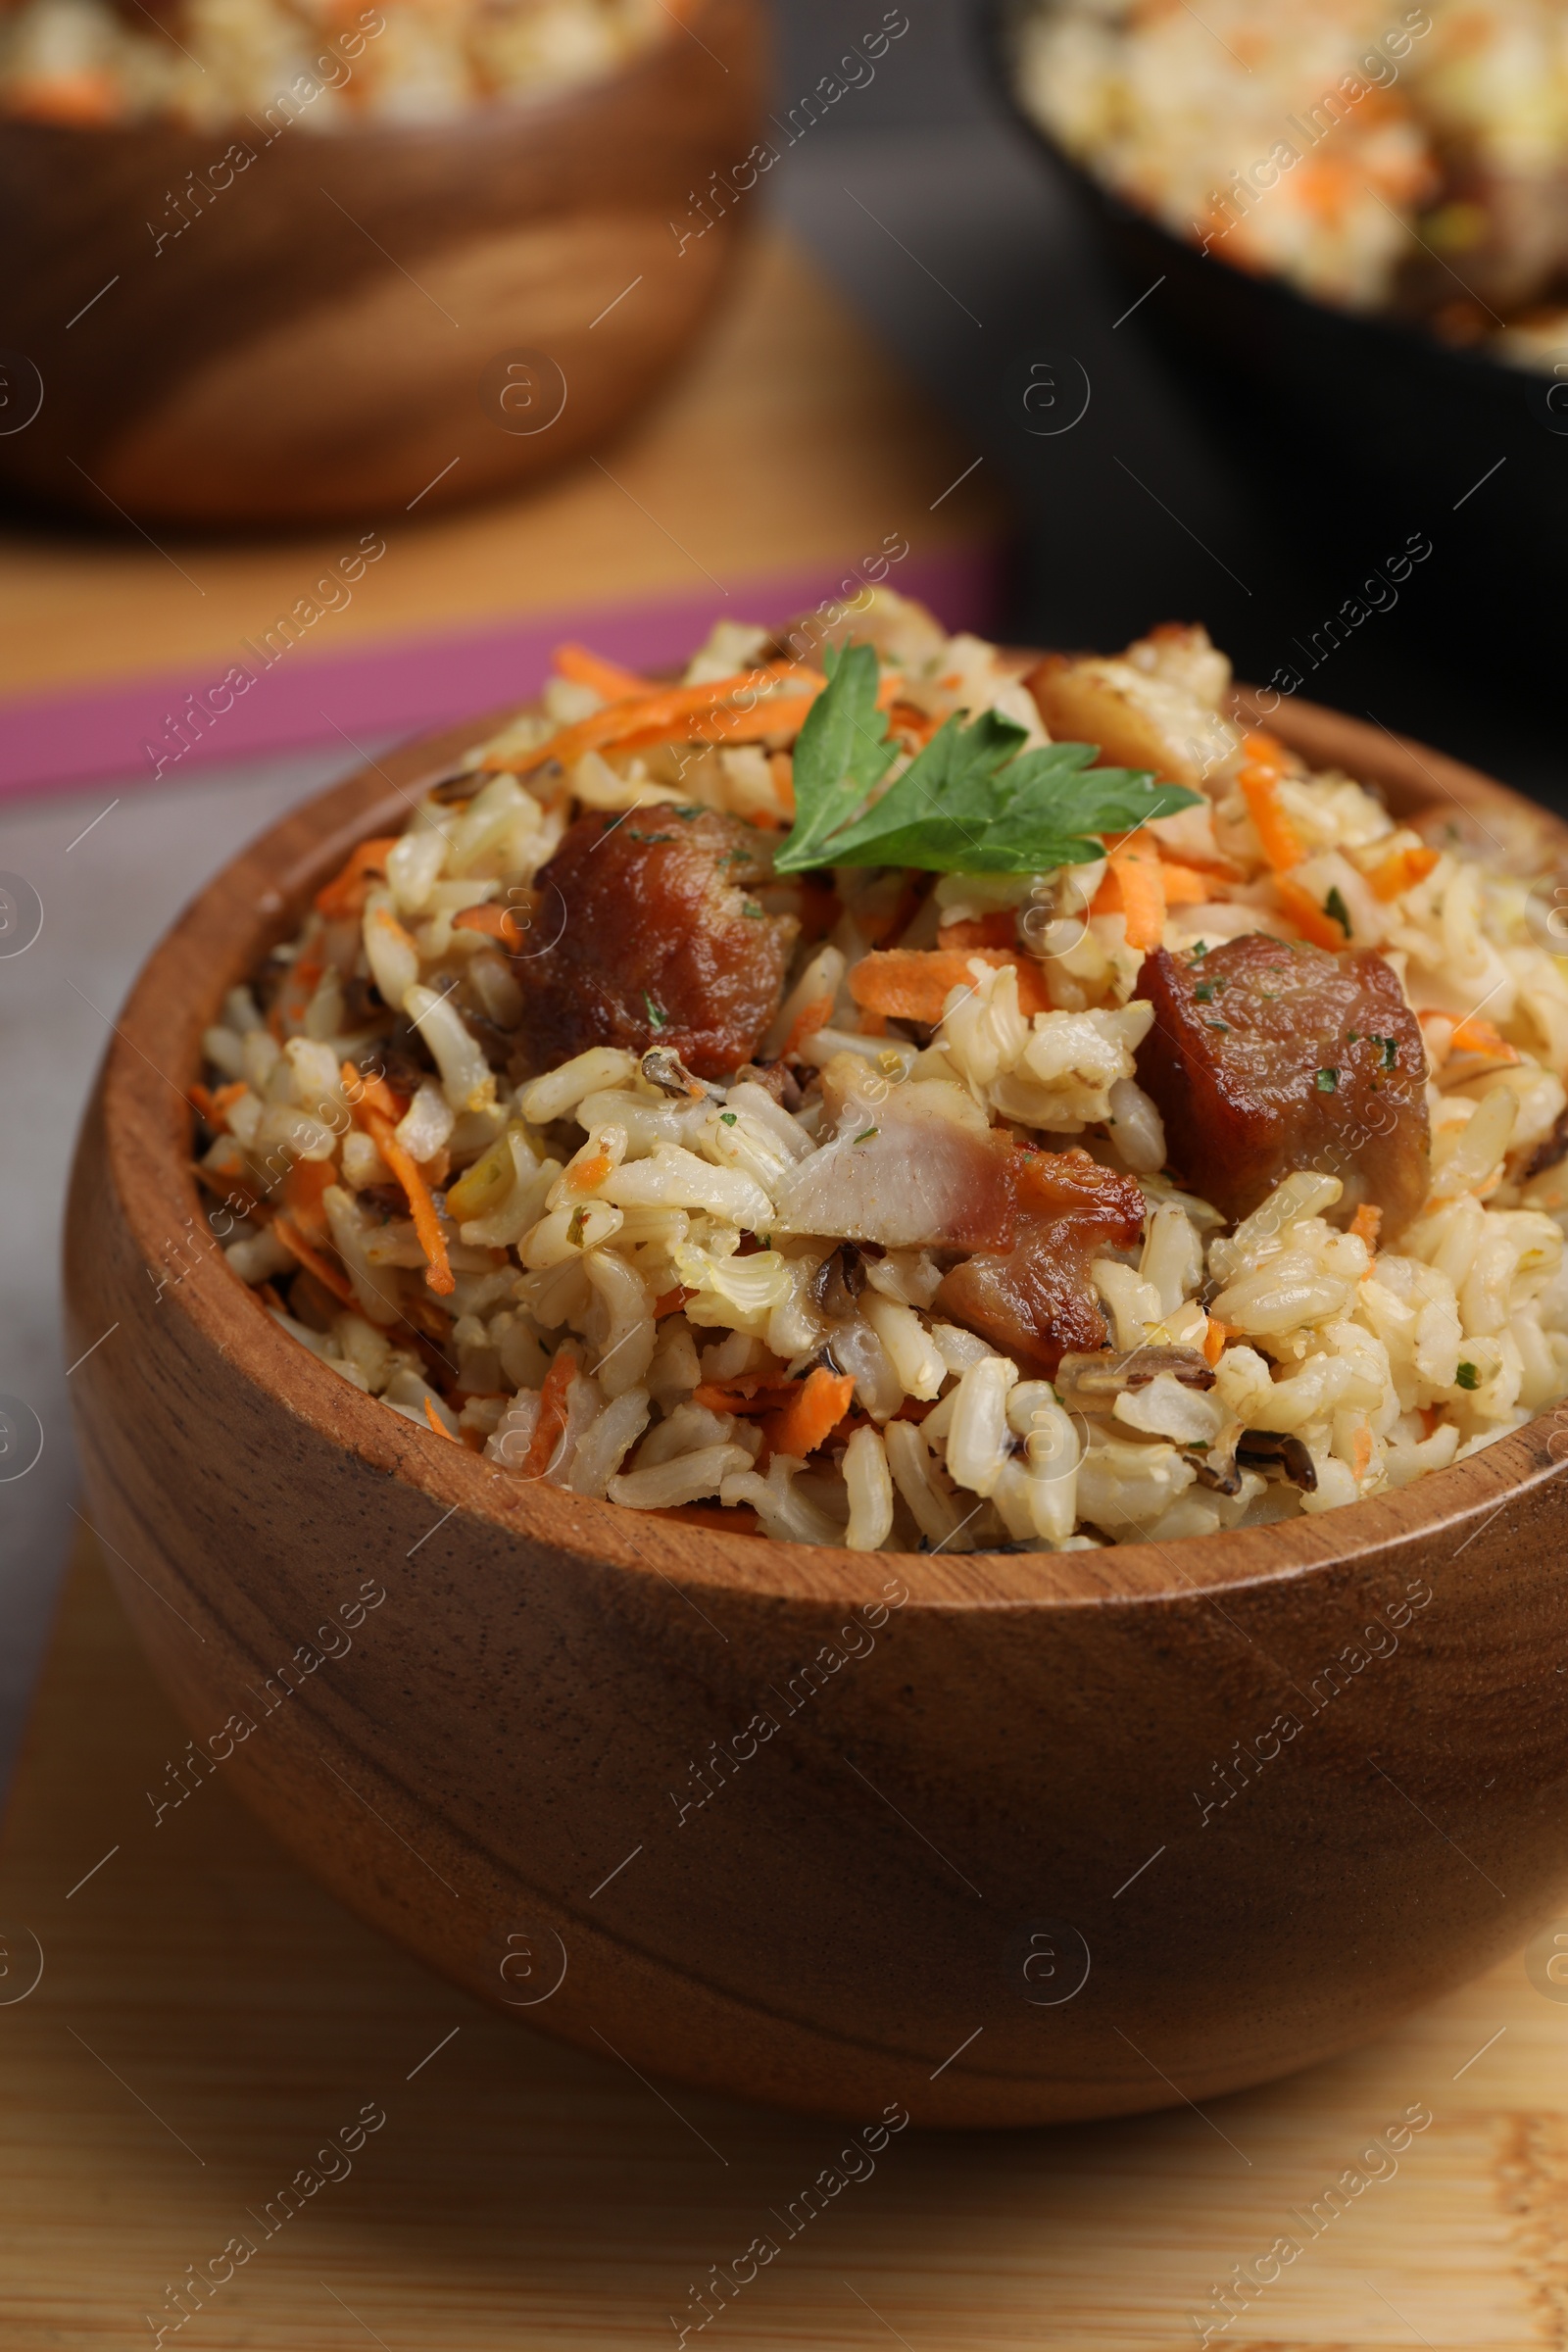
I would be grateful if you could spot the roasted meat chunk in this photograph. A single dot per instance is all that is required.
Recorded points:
(1037, 1300)
(661, 942)
(1265, 1056)
(910, 1166)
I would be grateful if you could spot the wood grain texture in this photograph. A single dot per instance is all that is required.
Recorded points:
(317, 341)
(1067, 1747)
(854, 453)
(522, 2192)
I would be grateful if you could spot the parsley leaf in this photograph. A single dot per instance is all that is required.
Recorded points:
(841, 752)
(973, 802)
(1336, 909)
(1467, 1376)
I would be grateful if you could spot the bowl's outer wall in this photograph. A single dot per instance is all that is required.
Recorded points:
(324, 325)
(1343, 1742)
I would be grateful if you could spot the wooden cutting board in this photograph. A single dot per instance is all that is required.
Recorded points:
(209, 2027)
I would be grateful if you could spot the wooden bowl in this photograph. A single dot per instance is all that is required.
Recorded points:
(1009, 1840)
(334, 327)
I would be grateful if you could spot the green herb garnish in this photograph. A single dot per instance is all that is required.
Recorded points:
(727, 1118)
(1335, 907)
(1467, 1376)
(867, 1133)
(973, 802)
(657, 1018)
(1390, 1050)
(1328, 1082)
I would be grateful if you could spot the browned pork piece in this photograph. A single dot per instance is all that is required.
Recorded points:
(1267, 1056)
(1037, 1300)
(911, 1167)
(661, 942)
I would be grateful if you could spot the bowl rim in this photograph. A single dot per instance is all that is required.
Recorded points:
(1399, 338)
(255, 901)
(496, 111)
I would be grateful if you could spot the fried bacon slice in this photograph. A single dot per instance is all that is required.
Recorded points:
(1037, 1300)
(1266, 1056)
(660, 941)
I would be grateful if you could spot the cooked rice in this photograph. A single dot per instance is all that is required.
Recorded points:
(1372, 154)
(629, 1247)
(323, 64)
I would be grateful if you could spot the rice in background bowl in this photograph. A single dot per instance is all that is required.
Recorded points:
(1405, 160)
(89, 64)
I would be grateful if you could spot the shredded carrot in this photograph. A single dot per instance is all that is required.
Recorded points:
(1365, 1222)
(586, 668)
(551, 1426)
(589, 1174)
(746, 1392)
(1363, 1453)
(815, 1413)
(781, 767)
(1135, 887)
(1214, 1339)
(916, 727)
(345, 893)
(370, 1092)
(659, 717)
(1475, 1035)
(670, 1302)
(203, 1102)
(1264, 749)
(313, 1261)
(294, 997)
(1261, 790)
(808, 1021)
(1308, 916)
(495, 922)
(1401, 871)
(784, 715)
(1184, 885)
(914, 984)
(303, 1188)
(226, 1098)
(438, 1425)
(421, 1207)
(998, 930)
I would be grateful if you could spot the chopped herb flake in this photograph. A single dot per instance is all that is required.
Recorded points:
(1328, 1082)
(658, 1019)
(727, 1118)
(1335, 907)
(1467, 1376)
(1390, 1050)
(867, 1133)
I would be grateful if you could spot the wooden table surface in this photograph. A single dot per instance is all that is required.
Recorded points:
(209, 2026)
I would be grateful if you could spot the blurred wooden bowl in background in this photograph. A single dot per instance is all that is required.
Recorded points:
(352, 322)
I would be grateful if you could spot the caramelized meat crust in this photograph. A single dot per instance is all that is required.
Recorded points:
(662, 943)
(1265, 1056)
(1037, 1300)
